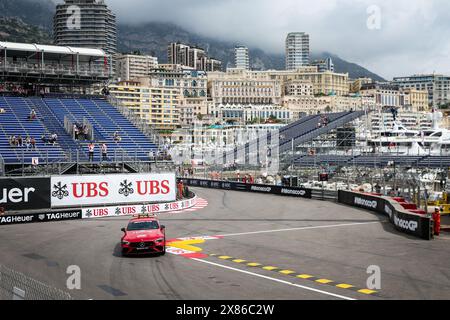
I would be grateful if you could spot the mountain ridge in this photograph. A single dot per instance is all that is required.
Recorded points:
(32, 22)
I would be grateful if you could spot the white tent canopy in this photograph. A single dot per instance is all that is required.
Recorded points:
(25, 47)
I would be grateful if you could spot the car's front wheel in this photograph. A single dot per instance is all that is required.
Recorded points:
(164, 249)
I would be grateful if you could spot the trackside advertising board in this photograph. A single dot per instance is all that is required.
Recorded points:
(117, 211)
(24, 193)
(258, 188)
(98, 190)
(40, 217)
(404, 221)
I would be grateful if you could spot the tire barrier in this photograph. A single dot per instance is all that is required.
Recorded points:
(258, 188)
(420, 226)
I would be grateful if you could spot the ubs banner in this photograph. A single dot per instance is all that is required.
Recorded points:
(414, 224)
(24, 193)
(67, 191)
(238, 186)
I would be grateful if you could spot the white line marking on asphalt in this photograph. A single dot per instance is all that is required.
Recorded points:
(276, 280)
(302, 228)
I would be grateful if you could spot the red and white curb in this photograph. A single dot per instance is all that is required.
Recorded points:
(200, 204)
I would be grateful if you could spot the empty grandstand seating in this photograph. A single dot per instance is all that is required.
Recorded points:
(307, 129)
(51, 112)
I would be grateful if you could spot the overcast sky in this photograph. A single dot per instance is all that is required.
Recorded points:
(413, 35)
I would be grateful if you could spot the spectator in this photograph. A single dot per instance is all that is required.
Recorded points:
(117, 137)
(32, 114)
(104, 152)
(33, 143)
(11, 140)
(91, 149)
(53, 139)
(44, 139)
(28, 143)
(76, 131)
(2, 110)
(20, 141)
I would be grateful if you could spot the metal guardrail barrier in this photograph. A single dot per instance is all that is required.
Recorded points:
(17, 286)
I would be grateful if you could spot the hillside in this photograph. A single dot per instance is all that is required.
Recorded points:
(33, 23)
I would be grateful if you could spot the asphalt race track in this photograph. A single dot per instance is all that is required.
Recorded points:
(263, 247)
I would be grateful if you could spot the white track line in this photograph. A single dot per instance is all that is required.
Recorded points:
(296, 229)
(276, 280)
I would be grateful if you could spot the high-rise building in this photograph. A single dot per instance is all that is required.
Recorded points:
(297, 50)
(324, 65)
(241, 58)
(85, 24)
(132, 67)
(192, 57)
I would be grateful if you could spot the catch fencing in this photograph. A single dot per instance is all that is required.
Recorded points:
(17, 286)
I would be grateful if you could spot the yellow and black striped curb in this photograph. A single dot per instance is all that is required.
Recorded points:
(303, 276)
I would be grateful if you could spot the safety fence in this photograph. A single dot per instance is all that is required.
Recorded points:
(420, 226)
(17, 286)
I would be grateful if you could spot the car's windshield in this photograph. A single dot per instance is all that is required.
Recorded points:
(143, 225)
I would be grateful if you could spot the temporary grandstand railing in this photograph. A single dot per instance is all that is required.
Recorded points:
(98, 71)
(136, 120)
(2, 166)
(69, 124)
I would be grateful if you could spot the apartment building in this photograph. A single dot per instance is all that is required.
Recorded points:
(297, 50)
(132, 67)
(192, 57)
(247, 113)
(159, 107)
(308, 105)
(241, 58)
(437, 86)
(245, 91)
(192, 84)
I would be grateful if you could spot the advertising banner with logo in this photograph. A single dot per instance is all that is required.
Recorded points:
(68, 191)
(116, 211)
(260, 188)
(24, 193)
(40, 217)
(404, 221)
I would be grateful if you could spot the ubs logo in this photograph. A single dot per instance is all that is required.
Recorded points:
(60, 191)
(126, 188)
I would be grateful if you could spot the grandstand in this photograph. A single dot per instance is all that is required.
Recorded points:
(51, 114)
(373, 161)
(55, 82)
(304, 130)
(307, 129)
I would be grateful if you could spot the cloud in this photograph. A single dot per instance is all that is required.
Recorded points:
(411, 38)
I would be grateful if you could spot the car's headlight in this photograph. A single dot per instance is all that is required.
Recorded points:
(125, 243)
(160, 240)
